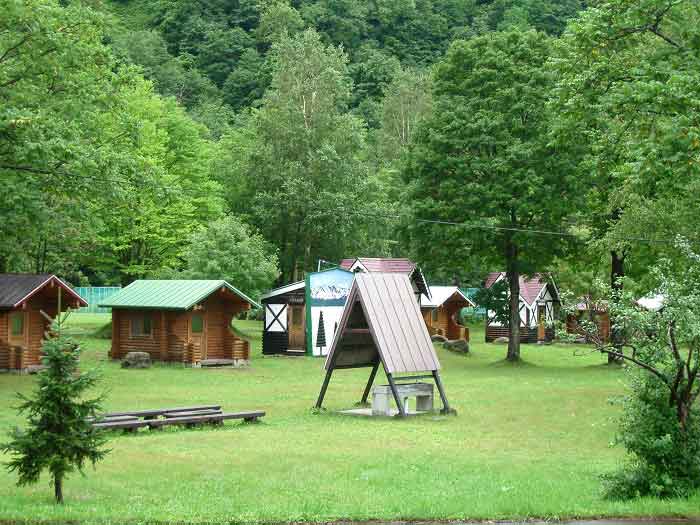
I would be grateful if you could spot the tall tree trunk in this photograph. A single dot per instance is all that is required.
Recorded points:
(58, 489)
(513, 276)
(617, 272)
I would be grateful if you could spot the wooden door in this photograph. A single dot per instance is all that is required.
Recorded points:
(295, 326)
(198, 333)
(541, 321)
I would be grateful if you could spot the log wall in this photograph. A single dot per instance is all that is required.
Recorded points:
(527, 335)
(171, 338)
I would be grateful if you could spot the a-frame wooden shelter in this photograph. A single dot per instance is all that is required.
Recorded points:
(382, 324)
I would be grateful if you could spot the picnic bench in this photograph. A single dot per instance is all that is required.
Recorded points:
(159, 418)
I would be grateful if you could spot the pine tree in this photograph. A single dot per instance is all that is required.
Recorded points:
(58, 437)
(321, 334)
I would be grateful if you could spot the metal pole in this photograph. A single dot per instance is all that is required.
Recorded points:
(322, 393)
(370, 381)
(399, 401)
(445, 404)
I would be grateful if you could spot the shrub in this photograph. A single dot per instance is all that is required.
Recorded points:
(665, 459)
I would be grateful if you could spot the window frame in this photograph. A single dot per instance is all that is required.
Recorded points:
(201, 326)
(142, 320)
(23, 324)
(435, 315)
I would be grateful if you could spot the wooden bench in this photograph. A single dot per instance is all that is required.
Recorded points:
(149, 414)
(210, 418)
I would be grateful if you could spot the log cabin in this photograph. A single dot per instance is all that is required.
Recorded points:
(441, 312)
(186, 321)
(27, 303)
(595, 312)
(539, 302)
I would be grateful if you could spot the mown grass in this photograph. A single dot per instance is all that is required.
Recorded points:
(528, 442)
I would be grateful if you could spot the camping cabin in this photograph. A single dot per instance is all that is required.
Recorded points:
(187, 321)
(27, 302)
(441, 312)
(589, 311)
(301, 318)
(390, 265)
(284, 326)
(539, 301)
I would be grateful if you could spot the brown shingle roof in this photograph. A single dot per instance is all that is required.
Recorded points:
(530, 288)
(15, 288)
(381, 264)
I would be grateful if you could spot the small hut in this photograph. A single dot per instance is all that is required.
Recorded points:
(382, 325)
(27, 303)
(539, 301)
(284, 327)
(186, 321)
(441, 312)
(298, 313)
(590, 311)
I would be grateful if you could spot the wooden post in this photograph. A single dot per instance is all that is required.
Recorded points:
(58, 314)
(399, 401)
(114, 353)
(369, 383)
(322, 393)
(163, 341)
(445, 404)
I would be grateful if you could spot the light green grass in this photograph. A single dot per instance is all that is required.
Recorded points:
(528, 441)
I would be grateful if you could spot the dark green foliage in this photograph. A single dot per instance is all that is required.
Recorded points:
(247, 83)
(495, 299)
(57, 437)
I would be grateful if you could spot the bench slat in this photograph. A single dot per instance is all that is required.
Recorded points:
(248, 416)
(171, 415)
(115, 425)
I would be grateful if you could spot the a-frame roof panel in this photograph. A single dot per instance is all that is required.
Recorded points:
(395, 323)
(386, 321)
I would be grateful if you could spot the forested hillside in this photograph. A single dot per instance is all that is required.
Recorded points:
(280, 133)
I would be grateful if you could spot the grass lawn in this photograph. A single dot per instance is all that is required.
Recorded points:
(529, 441)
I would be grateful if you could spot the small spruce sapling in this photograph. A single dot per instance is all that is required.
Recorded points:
(58, 437)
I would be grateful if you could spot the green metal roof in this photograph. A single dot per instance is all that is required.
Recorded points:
(169, 294)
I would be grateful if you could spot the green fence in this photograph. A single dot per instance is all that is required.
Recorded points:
(94, 295)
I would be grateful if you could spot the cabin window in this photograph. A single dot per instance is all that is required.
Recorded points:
(197, 324)
(434, 314)
(17, 324)
(141, 326)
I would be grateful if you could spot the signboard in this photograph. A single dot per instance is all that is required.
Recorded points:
(327, 293)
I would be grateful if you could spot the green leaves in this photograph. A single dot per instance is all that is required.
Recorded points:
(484, 155)
(229, 249)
